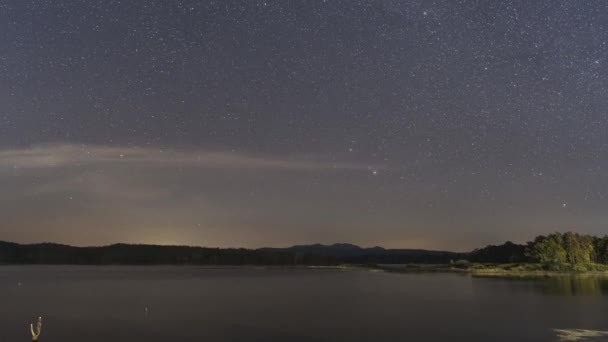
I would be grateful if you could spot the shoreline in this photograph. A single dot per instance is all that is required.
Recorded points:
(476, 270)
(489, 270)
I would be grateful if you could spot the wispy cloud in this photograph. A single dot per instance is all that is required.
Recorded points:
(61, 155)
(87, 194)
(99, 185)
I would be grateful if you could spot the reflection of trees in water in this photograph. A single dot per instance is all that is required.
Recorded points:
(576, 285)
(567, 285)
(573, 286)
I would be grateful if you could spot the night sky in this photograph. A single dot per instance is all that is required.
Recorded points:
(445, 124)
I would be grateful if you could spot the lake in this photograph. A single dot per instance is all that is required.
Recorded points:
(272, 304)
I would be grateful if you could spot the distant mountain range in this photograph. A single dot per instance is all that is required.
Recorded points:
(349, 253)
(316, 254)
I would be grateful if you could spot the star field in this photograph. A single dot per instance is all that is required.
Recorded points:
(432, 124)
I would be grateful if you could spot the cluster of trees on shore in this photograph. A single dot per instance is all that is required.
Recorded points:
(557, 248)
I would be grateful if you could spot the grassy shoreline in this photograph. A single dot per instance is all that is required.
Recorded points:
(514, 269)
(474, 269)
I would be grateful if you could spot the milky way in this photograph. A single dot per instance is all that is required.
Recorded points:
(432, 124)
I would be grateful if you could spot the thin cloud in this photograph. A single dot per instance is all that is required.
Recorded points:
(50, 156)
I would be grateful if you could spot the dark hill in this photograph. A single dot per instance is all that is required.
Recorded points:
(124, 254)
(119, 254)
(349, 253)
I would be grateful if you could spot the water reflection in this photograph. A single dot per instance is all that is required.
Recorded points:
(567, 285)
(576, 285)
(190, 304)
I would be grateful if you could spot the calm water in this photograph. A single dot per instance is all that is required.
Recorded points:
(247, 304)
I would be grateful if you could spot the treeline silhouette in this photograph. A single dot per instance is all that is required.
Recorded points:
(124, 254)
(554, 249)
(346, 253)
(118, 254)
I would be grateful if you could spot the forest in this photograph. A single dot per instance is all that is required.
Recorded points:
(555, 250)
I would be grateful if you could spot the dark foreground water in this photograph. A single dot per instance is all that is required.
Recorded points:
(247, 304)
